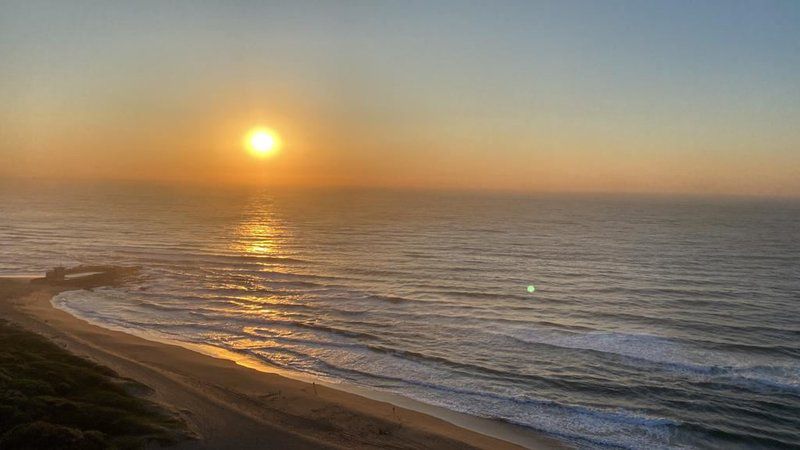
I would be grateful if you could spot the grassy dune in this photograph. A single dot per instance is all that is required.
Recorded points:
(50, 398)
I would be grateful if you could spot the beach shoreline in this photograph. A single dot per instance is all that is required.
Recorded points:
(231, 404)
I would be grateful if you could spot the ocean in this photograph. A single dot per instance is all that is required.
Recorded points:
(653, 322)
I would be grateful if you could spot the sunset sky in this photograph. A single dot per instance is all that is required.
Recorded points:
(639, 96)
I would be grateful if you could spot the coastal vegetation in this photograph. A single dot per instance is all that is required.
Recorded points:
(50, 398)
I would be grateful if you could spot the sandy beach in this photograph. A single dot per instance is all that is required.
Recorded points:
(227, 405)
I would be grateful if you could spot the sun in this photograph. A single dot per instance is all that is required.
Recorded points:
(262, 142)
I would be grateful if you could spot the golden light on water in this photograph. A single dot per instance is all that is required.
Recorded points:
(257, 239)
(262, 142)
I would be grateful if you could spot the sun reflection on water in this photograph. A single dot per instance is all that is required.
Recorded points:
(263, 236)
(261, 232)
(258, 237)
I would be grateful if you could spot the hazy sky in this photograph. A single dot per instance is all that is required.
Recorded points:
(635, 96)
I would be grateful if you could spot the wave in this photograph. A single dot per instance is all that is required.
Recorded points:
(671, 355)
(317, 306)
(390, 298)
(577, 423)
(738, 368)
(479, 295)
(180, 254)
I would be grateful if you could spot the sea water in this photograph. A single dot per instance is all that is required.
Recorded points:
(655, 322)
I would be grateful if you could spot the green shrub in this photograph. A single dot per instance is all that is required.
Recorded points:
(42, 435)
(50, 398)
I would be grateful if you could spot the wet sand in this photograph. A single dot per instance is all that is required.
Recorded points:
(230, 406)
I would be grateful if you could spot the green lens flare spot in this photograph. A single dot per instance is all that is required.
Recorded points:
(531, 288)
